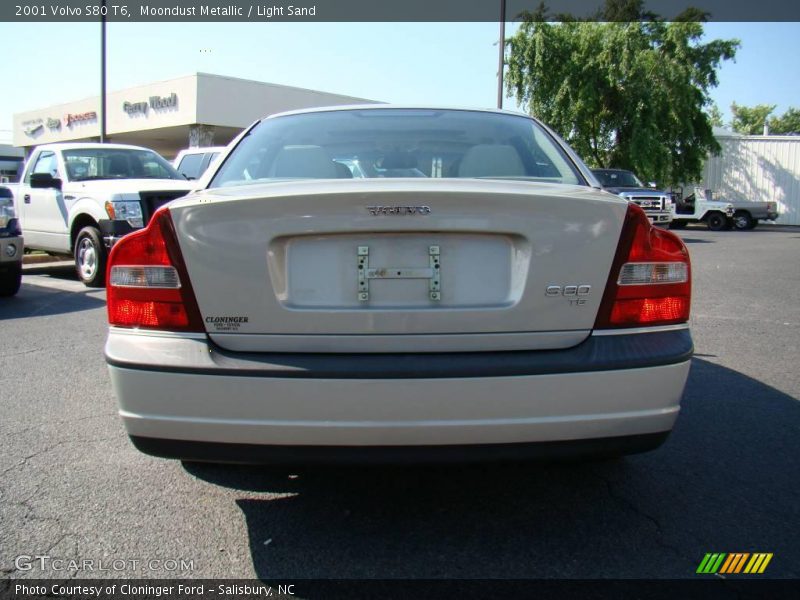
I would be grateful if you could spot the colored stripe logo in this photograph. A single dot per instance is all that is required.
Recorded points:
(733, 563)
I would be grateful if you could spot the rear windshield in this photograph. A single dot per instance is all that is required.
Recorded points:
(190, 165)
(396, 143)
(84, 164)
(617, 178)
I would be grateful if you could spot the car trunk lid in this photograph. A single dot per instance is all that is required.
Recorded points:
(398, 265)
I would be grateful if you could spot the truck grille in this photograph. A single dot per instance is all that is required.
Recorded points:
(653, 202)
(152, 201)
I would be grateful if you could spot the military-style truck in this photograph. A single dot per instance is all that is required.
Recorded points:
(743, 216)
(701, 207)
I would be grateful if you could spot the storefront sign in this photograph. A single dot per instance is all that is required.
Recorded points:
(53, 123)
(170, 101)
(33, 130)
(79, 118)
(154, 102)
(32, 127)
(134, 108)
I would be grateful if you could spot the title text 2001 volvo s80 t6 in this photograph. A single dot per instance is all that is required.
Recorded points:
(384, 283)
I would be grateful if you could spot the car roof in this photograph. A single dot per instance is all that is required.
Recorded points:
(201, 150)
(377, 106)
(89, 146)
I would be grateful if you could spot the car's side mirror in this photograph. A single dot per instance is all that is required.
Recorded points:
(45, 181)
(652, 185)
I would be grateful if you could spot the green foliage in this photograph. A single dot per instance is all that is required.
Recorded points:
(787, 124)
(626, 94)
(714, 115)
(749, 120)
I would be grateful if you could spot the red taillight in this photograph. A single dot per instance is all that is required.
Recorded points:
(650, 279)
(148, 285)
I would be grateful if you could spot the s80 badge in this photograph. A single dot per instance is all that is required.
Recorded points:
(568, 291)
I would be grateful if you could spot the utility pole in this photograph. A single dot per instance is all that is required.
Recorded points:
(103, 71)
(501, 54)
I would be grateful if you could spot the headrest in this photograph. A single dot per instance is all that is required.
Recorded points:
(118, 165)
(307, 162)
(342, 170)
(399, 160)
(491, 160)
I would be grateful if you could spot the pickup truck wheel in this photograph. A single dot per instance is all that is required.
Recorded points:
(10, 280)
(716, 221)
(742, 220)
(90, 257)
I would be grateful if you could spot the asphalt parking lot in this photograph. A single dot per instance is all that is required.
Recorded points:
(727, 480)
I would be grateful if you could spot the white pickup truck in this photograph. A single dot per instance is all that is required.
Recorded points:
(80, 198)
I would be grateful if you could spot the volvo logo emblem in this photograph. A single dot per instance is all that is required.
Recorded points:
(399, 210)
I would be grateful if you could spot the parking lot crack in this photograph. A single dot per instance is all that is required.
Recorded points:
(25, 459)
(631, 506)
(17, 432)
(24, 352)
(61, 538)
(31, 515)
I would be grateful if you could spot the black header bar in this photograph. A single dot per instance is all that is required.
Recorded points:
(376, 10)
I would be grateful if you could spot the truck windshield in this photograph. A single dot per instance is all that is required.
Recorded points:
(397, 143)
(84, 164)
(617, 178)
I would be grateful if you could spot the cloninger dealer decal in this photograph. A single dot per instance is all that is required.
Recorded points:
(226, 323)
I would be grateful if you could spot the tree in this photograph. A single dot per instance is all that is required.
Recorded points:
(714, 115)
(787, 124)
(749, 120)
(628, 93)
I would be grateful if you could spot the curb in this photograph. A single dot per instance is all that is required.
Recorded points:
(33, 259)
(43, 267)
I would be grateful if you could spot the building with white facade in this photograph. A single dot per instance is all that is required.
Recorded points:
(167, 116)
(757, 168)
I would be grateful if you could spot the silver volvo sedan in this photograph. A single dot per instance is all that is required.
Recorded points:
(378, 283)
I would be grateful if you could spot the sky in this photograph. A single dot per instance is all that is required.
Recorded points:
(416, 63)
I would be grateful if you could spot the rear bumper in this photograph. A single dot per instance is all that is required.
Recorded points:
(181, 397)
(398, 455)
